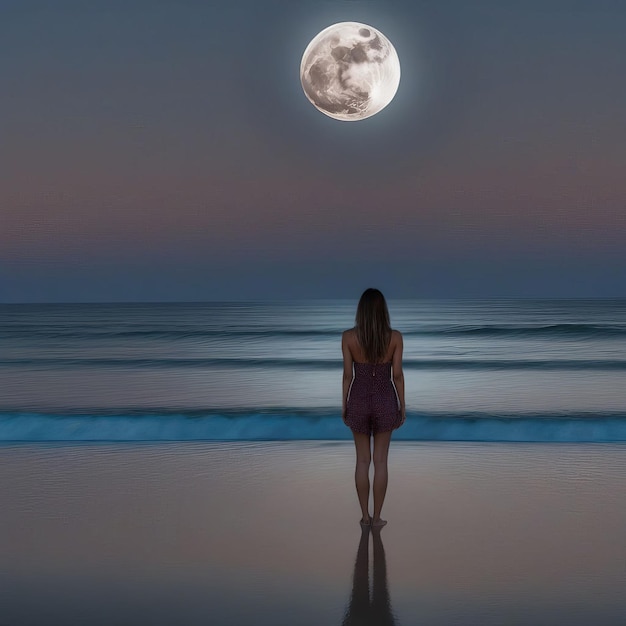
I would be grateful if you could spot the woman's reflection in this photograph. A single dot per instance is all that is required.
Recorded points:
(362, 610)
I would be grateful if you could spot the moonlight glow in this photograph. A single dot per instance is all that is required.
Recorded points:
(350, 71)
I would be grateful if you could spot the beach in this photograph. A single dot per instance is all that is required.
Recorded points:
(206, 280)
(267, 533)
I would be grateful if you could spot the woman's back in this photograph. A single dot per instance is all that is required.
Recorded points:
(357, 352)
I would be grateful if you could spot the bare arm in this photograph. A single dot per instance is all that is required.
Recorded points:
(347, 373)
(398, 375)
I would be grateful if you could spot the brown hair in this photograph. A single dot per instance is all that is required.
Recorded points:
(373, 329)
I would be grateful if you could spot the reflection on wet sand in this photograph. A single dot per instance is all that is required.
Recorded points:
(365, 608)
(487, 534)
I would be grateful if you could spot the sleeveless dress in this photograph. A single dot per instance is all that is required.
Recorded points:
(372, 406)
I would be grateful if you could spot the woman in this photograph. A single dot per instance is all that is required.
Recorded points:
(371, 404)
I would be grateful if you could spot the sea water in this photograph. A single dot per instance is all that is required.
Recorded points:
(488, 370)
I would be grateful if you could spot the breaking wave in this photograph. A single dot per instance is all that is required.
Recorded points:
(92, 331)
(284, 425)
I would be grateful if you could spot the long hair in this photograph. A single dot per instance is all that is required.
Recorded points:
(373, 329)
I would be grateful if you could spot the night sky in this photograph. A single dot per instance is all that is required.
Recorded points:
(165, 151)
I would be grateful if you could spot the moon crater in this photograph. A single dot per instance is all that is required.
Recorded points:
(350, 71)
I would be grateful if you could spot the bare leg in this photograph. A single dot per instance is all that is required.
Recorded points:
(362, 471)
(381, 450)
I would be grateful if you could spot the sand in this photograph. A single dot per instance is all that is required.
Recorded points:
(267, 533)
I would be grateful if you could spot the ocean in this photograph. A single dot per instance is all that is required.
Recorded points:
(475, 370)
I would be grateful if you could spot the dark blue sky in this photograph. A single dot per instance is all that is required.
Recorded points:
(165, 151)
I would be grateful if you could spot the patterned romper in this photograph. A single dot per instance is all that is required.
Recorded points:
(372, 406)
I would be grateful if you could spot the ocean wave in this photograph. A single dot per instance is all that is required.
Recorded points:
(97, 332)
(286, 425)
(539, 330)
(315, 364)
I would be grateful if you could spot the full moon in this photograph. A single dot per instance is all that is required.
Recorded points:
(350, 71)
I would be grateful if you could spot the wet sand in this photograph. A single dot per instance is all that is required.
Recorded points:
(268, 533)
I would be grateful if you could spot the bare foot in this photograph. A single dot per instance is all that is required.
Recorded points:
(378, 522)
(366, 521)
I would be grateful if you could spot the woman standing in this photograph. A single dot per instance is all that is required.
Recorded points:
(373, 405)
